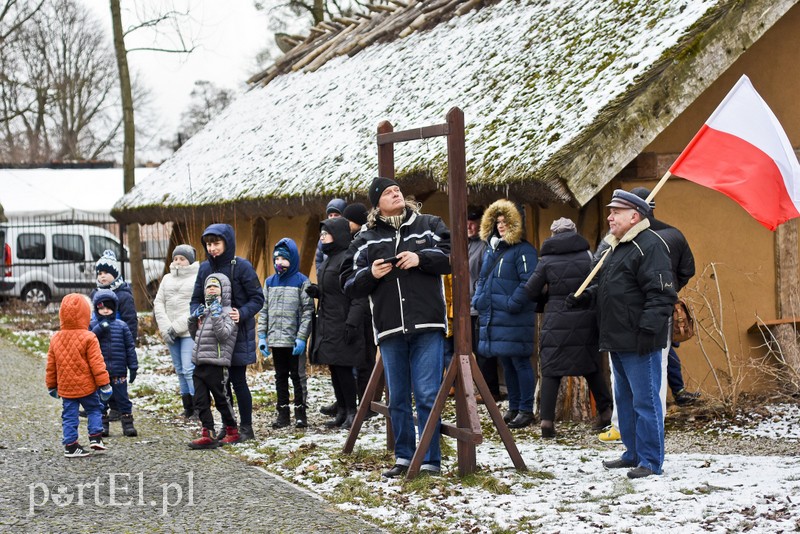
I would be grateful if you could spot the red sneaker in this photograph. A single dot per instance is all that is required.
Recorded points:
(205, 441)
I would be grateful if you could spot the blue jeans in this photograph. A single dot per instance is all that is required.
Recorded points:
(181, 352)
(119, 396)
(637, 381)
(69, 416)
(520, 382)
(413, 362)
(674, 375)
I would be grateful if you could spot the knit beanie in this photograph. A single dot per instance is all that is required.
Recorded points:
(281, 251)
(356, 213)
(562, 225)
(108, 263)
(213, 281)
(377, 187)
(187, 251)
(337, 205)
(107, 303)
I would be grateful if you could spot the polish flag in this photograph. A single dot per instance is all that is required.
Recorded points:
(743, 152)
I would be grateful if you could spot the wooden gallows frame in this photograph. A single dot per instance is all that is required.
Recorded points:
(463, 371)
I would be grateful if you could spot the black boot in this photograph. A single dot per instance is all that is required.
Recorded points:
(114, 415)
(341, 415)
(106, 430)
(127, 425)
(300, 419)
(329, 409)
(509, 415)
(351, 415)
(188, 405)
(522, 420)
(283, 417)
(246, 433)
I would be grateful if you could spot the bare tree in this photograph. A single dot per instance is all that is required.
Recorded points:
(58, 89)
(129, 124)
(207, 100)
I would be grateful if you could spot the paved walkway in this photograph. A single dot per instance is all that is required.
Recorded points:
(151, 483)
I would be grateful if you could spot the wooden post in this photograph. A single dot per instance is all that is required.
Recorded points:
(787, 288)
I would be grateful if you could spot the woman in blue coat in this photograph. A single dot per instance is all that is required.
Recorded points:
(507, 316)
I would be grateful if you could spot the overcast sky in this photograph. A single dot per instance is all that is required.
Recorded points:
(227, 34)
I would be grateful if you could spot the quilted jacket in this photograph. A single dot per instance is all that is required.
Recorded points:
(215, 337)
(116, 342)
(287, 310)
(74, 362)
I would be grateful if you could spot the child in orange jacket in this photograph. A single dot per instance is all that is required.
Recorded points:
(75, 371)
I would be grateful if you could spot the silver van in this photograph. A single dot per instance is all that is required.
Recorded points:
(41, 262)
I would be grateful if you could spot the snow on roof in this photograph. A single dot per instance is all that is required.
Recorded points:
(530, 76)
(26, 192)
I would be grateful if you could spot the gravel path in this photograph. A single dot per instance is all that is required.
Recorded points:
(151, 483)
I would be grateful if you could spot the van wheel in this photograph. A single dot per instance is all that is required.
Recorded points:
(35, 294)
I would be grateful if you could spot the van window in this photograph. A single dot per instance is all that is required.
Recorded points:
(68, 247)
(30, 247)
(99, 243)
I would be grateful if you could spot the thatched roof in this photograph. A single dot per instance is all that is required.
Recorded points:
(558, 97)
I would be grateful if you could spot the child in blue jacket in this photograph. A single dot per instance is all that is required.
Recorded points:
(119, 353)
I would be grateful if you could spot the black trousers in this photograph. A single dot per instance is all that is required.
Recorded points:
(365, 371)
(344, 386)
(488, 366)
(210, 381)
(550, 385)
(285, 367)
(237, 377)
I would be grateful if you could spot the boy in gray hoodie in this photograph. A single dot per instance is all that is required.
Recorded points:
(214, 334)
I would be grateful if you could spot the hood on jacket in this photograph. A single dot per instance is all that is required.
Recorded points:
(337, 205)
(225, 286)
(104, 294)
(339, 228)
(226, 232)
(75, 312)
(563, 243)
(507, 209)
(294, 256)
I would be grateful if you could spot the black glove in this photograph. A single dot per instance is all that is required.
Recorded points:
(645, 343)
(349, 334)
(313, 291)
(132, 373)
(580, 302)
(102, 328)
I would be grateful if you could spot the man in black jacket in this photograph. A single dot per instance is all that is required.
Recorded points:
(683, 270)
(634, 295)
(397, 261)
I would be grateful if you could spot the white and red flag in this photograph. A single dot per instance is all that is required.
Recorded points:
(743, 152)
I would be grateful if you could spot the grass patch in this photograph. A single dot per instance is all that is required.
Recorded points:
(296, 457)
(539, 475)
(487, 483)
(645, 510)
(352, 490)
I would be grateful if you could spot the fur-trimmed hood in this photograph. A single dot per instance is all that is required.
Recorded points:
(513, 218)
(372, 216)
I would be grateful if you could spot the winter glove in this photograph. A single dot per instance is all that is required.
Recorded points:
(53, 392)
(313, 291)
(169, 337)
(580, 302)
(199, 311)
(101, 328)
(349, 334)
(645, 343)
(299, 347)
(215, 308)
(132, 376)
(105, 392)
(262, 345)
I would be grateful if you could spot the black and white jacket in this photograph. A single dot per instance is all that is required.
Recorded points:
(404, 301)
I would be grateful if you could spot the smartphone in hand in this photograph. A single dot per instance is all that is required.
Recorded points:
(393, 260)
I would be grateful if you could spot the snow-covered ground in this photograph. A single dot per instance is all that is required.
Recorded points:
(565, 489)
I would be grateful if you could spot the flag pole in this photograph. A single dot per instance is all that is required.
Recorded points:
(599, 264)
